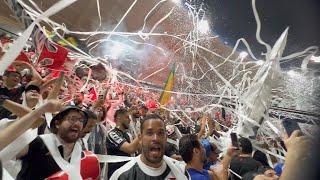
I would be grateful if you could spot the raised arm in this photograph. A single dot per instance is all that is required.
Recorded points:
(298, 154)
(223, 174)
(16, 108)
(36, 78)
(101, 98)
(130, 147)
(56, 89)
(202, 127)
(15, 129)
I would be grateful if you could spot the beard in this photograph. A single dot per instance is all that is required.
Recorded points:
(68, 136)
(147, 153)
(125, 126)
(203, 157)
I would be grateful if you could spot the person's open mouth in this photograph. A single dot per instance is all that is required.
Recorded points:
(155, 150)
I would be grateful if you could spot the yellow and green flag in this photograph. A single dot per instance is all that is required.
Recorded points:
(165, 96)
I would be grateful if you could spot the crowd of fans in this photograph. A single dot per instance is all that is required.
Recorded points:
(70, 129)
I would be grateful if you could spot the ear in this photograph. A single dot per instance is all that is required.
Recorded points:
(57, 124)
(195, 151)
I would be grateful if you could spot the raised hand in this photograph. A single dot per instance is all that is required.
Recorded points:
(297, 142)
(55, 92)
(51, 106)
(20, 65)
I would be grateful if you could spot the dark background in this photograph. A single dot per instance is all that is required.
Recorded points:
(233, 19)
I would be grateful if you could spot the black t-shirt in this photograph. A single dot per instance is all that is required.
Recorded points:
(171, 149)
(14, 94)
(38, 163)
(242, 165)
(115, 139)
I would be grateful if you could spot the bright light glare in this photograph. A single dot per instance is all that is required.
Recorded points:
(291, 73)
(19, 33)
(176, 1)
(243, 54)
(260, 62)
(315, 59)
(116, 50)
(203, 26)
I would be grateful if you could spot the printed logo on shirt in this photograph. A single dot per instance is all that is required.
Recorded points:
(115, 137)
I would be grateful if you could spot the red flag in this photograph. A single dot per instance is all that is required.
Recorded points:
(93, 94)
(55, 74)
(53, 58)
(23, 57)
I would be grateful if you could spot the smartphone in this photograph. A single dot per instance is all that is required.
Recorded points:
(234, 140)
(290, 126)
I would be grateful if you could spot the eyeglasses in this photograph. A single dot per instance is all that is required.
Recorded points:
(73, 119)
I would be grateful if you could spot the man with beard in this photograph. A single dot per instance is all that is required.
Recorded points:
(85, 133)
(118, 140)
(151, 164)
(137, 114)
(78, 99)
(194, 154)
(59, 150)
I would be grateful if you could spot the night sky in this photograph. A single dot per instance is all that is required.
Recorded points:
(233, 19)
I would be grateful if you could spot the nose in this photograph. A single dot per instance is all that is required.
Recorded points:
(155, 137)
(78, 124)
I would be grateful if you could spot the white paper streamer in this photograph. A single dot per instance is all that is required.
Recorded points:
(6, 175)
(269, 152)
(18, 45)
(72, 168)
(113, 159)
(273, 128)
(17, 146)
